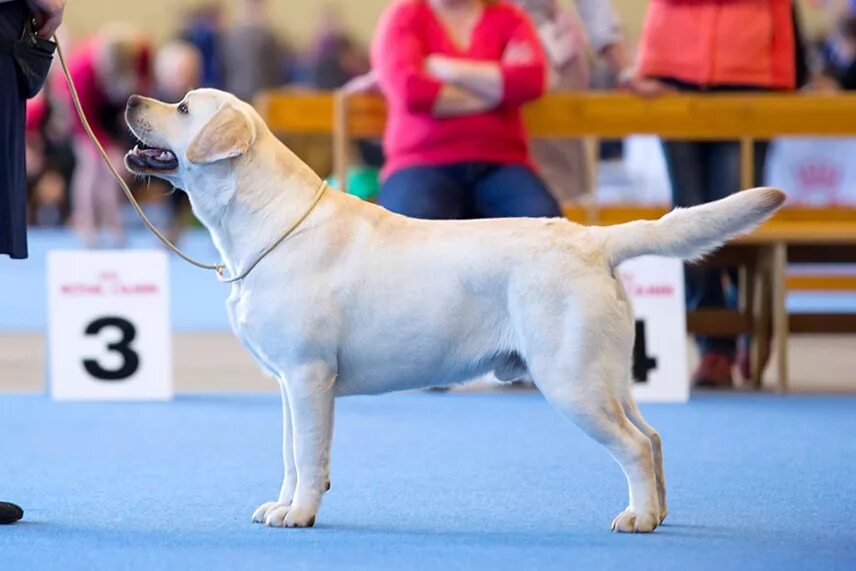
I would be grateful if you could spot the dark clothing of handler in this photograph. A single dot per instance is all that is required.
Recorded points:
(13, 176)
(14, 17)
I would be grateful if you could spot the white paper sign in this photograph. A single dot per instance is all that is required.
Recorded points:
(814, 171)
(108, 325)
(655, 287)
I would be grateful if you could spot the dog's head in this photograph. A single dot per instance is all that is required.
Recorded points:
(218, 149)
(180, 142)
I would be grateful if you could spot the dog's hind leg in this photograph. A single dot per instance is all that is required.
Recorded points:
(639, 422)
(583, 372)
(599, 414)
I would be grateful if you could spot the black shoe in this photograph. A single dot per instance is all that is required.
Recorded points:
(10, 513)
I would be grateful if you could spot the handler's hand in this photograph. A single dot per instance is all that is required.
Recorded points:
(440, 67)
(647, 87)
(644, 87)
(366, 83)
(48, 14)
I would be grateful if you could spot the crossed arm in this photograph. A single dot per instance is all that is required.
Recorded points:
(469, 86)
(445, 86)
(465, 87)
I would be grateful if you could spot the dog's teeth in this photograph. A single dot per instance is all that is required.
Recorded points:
(164, 156)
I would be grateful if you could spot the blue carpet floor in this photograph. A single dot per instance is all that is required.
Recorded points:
(424, 481)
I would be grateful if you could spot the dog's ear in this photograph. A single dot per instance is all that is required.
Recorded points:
(227, 135)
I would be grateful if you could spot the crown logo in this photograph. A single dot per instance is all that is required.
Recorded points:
(819, 176)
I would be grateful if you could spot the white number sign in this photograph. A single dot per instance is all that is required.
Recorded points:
(108, 326)
(656, 289)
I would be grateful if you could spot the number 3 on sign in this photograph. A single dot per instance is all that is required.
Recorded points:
(130, 359)
(108, 326)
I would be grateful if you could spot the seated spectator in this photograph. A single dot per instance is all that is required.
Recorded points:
(455, 74)
(568, 42)
(561, 162)
(106, 70)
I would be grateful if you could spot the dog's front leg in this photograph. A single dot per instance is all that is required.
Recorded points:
(289, 479)
(310, 401)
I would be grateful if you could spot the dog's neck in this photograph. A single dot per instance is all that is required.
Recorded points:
(247, 205)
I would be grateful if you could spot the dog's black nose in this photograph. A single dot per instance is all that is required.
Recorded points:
(134, 101)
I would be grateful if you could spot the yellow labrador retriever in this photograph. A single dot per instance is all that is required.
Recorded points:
(358, 300)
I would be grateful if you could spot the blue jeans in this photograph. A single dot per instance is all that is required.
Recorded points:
(468, 190)
(702, 172)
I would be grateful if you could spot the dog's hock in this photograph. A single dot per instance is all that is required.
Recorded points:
(228, 134)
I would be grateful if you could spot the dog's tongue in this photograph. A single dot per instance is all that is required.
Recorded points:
(163, 155)
(158, 159)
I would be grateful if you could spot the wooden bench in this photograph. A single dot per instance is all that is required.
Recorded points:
(795, 236)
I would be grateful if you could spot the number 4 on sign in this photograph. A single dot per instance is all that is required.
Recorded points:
(642, 363)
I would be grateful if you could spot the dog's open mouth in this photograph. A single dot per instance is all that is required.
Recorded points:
(143, 158)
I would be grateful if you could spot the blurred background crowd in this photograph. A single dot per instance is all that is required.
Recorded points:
(244, 54)
(237, 46)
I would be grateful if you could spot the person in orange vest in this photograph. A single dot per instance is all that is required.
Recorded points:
(713, 46)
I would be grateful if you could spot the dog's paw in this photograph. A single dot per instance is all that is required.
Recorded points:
(632, 522)
(260, 514)
(275, 517)
(300, 517)
(275, 514)
(664, 513)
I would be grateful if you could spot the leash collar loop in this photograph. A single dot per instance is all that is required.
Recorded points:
(220, 268)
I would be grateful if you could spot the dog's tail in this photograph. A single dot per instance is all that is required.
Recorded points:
(690, 233)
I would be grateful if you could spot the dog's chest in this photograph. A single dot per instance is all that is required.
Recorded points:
(247, 327)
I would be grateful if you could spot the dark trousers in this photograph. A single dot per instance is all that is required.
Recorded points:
(702, 172)
(468, 190)
(13, 175)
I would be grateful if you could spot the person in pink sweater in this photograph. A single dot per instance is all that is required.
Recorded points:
(455, 74)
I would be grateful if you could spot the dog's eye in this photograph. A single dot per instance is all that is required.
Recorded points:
(182, 108)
